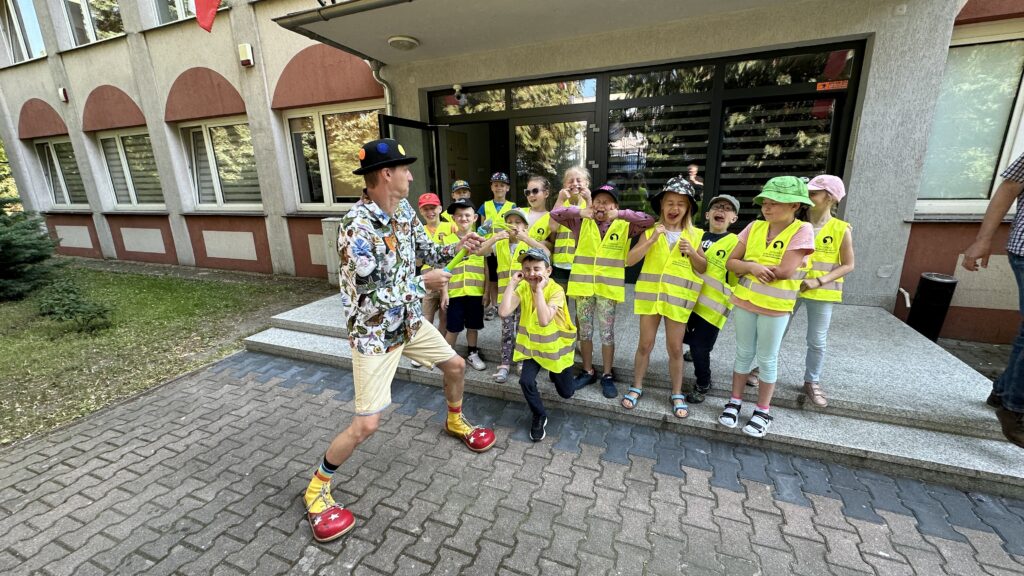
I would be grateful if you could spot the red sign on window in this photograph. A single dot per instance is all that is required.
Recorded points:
(833, 85)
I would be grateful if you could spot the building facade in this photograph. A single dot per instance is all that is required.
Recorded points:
(142, 137)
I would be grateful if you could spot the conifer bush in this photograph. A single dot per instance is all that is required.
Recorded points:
(26, 252)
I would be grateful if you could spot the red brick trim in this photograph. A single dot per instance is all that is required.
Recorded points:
(158, 222)
(108, 108)
(256, 225)
(54, 220)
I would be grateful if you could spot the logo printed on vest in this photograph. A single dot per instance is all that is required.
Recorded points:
(614, 236)
(777, 245)
(720, 253)
(827, 240)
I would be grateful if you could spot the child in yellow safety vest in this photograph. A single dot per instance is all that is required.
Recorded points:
(460, 191)
(768, 257)
(507, 246)
(546, 335)
(713, 303)
(823, 286)
(575, 187)
(430, 209)
(464, 301)
(667, 287)
(598, 277)
(493, 210)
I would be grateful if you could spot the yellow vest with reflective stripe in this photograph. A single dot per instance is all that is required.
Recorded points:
(565, 244)
(779, 295)
(668, 285)
(713, 304)
(826, 258)
(552, 346)
(507, 262)
(541, 229)
(468, 277)
(599, 264)
(443, 229)
(492, 213)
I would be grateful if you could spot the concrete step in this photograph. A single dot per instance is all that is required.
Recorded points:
(877, 368)
(963, 461)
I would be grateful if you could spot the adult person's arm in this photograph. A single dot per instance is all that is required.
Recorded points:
(438, 255)
(1002, 200)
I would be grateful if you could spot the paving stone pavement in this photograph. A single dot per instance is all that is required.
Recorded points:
(203, 476)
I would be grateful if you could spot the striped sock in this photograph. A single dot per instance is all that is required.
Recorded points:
(322, 477)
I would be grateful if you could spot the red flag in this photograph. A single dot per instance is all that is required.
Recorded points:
(205, 11)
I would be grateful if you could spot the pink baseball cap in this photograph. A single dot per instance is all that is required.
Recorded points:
(831, 184)
(429, 199)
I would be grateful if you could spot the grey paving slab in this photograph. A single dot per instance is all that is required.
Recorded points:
(426, 506)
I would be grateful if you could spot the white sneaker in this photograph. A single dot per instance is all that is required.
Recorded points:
(415, 364)
(475, 361)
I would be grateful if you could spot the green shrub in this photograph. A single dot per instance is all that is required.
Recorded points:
(64, 301)
(25, 252)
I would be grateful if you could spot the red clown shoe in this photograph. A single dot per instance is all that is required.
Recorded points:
(331, 524)
(476, 438)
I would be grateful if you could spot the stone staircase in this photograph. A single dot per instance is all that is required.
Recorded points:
(898, 403)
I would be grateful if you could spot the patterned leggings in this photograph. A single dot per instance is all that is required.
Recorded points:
(509, 327)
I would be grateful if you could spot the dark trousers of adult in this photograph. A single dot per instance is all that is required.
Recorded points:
(701, 336)
(528, 382)
(1010, 386)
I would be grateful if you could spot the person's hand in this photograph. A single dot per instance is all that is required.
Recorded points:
(513, 235)
(611, 214)
(585, 194)
(810, 284)
(436, 279)
(444, 301)
(516, 278)
(563, 195)
(536, 282)
(764, 274)
(659, 230)
(471, 242)
(685, 248)
(587, 213)
(979, 250)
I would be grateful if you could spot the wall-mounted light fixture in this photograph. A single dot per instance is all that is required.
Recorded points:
(245, 55)
(403, 43)
(62, 94)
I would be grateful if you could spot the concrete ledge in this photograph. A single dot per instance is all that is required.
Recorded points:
(962, 461)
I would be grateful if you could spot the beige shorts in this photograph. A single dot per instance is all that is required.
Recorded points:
(372, 374)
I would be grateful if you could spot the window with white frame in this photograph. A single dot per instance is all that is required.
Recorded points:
(132, 168)
(60, 171)
(222, 163)
(92, 20)
(325, 146)
(174, 10)
(976, 119)
(20, 29)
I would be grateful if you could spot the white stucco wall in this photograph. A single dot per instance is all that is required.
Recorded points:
(902, 74)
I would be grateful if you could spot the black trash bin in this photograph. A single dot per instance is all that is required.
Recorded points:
(931, 303)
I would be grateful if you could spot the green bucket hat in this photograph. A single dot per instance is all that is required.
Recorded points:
(785, 189)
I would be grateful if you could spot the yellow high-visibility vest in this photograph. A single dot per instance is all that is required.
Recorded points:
(541, 229)
(668, 285)
(779, 295)
(714, 304)
(552, 346)
(565, 244)
(826, 258)
(494, 215)
(468, 277)
(599, 264)
(508, 261)
(438, 235)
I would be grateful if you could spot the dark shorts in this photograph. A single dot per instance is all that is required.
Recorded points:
(492, 268)
(465, 312)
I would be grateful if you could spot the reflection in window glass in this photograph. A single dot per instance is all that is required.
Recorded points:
(966, 142)
(173, 10)
(648, 145)
(471, 103)
(202, 174)
(345, 132)
(548, 149)
(20, 28)
(65, 156)
(93, 20)
(761, 141)
(834, 66)
(112, 155)
(662, 83)
(51, 174)
(236, 164)
(307, 159)
(554, 94)
(138, 153)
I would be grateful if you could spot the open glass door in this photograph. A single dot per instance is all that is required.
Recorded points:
(420, 140)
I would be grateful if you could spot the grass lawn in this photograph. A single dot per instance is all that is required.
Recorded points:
(162, 326)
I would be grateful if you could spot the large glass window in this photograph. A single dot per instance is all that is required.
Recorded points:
(554, 94)
(60, 172)
(132, 169)
(470, 102)
(831, 70)
(548, 148)
(173, 10)
(325, 147)
(93, 20)
(690, 80)
(979, 88)
(223, 163)
(20, 29)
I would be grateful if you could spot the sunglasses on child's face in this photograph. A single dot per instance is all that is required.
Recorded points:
(532, 191)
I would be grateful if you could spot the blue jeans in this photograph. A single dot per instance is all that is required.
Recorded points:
(758, 336)
(1010, 386)
(819, 317)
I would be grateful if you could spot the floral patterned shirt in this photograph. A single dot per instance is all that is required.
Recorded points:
(380, 292)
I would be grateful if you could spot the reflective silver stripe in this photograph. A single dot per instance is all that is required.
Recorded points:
(553, 356)
(837, 286)
(504, 275)
(545, 338)
(607, 261)
(714, 283)
(646, 296)
(824, 266)
(712, 305)
(647, 277)
(473, 282)
(613, 282)
(563, 249)
(667, 298)
(771, 291)
(799, 275)
(669, 279)
(580, 278)
(584, 260)
(473, 270)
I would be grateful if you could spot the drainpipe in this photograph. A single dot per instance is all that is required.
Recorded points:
(375, 68)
